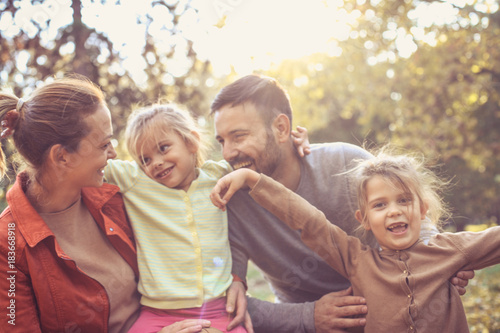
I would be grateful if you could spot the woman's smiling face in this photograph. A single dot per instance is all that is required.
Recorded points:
(94, 150)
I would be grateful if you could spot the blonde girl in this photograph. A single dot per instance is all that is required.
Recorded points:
(182, 243)
(405, 281)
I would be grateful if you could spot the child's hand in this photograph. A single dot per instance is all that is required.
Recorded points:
(230, 183)
(301, 141)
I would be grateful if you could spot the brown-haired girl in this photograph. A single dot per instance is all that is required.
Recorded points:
(406, 280)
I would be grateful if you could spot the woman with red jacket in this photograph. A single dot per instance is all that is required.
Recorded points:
(67, 253)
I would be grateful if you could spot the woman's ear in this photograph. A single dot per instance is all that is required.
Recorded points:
(281, 126)
(60, 161)
(359, 217)
(61, 158)
(58, 155)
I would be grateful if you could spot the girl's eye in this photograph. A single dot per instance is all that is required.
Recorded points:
(405, 201)
(163, 148)
(145, 160)
(378, 205)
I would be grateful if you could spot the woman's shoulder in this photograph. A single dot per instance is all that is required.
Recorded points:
(11, 239)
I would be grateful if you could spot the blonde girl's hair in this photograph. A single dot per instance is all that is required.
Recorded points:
(407, 172)
(54, 114)
(160, 119)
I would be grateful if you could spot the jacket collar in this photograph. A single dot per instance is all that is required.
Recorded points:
(28, 221)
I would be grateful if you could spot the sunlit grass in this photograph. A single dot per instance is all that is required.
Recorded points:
(481, 302)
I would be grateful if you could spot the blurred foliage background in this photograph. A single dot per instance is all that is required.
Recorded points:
(442, 98)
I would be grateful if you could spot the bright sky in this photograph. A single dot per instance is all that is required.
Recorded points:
(256, 32)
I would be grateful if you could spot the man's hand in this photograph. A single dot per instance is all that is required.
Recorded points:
(236, 299)
(335, 311)
(461, 280)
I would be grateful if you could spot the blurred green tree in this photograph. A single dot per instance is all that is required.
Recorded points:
(428, 86)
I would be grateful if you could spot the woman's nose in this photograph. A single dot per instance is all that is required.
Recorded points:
(111, 152)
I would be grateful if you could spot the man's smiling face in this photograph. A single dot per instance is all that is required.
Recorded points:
(245, 140)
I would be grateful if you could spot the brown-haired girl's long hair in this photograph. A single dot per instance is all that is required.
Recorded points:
(53, 114)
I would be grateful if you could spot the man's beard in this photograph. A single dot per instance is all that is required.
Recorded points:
(270, 158)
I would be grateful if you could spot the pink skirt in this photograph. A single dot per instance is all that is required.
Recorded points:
(152, 320)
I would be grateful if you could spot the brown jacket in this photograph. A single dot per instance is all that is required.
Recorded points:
(41, 289)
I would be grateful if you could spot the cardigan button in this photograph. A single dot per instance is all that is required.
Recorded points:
(111, 229)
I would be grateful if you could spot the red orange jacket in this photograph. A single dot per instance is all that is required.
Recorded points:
(41, 289)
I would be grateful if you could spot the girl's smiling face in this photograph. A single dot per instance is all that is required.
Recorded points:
(393, 215)
(169, 160)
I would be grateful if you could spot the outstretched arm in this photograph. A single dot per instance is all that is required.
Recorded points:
(461, 279)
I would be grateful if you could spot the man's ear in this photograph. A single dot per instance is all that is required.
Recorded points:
(359, 217)
(281, 126)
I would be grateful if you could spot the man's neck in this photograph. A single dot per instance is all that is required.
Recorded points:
(288, 172)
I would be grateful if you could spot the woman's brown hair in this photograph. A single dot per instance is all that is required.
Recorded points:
(53, 114)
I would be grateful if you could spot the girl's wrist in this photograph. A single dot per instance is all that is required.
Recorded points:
(252, 178)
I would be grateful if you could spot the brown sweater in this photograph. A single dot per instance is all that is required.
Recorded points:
(405, 291)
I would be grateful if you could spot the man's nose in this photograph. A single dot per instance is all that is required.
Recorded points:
(229, 151)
